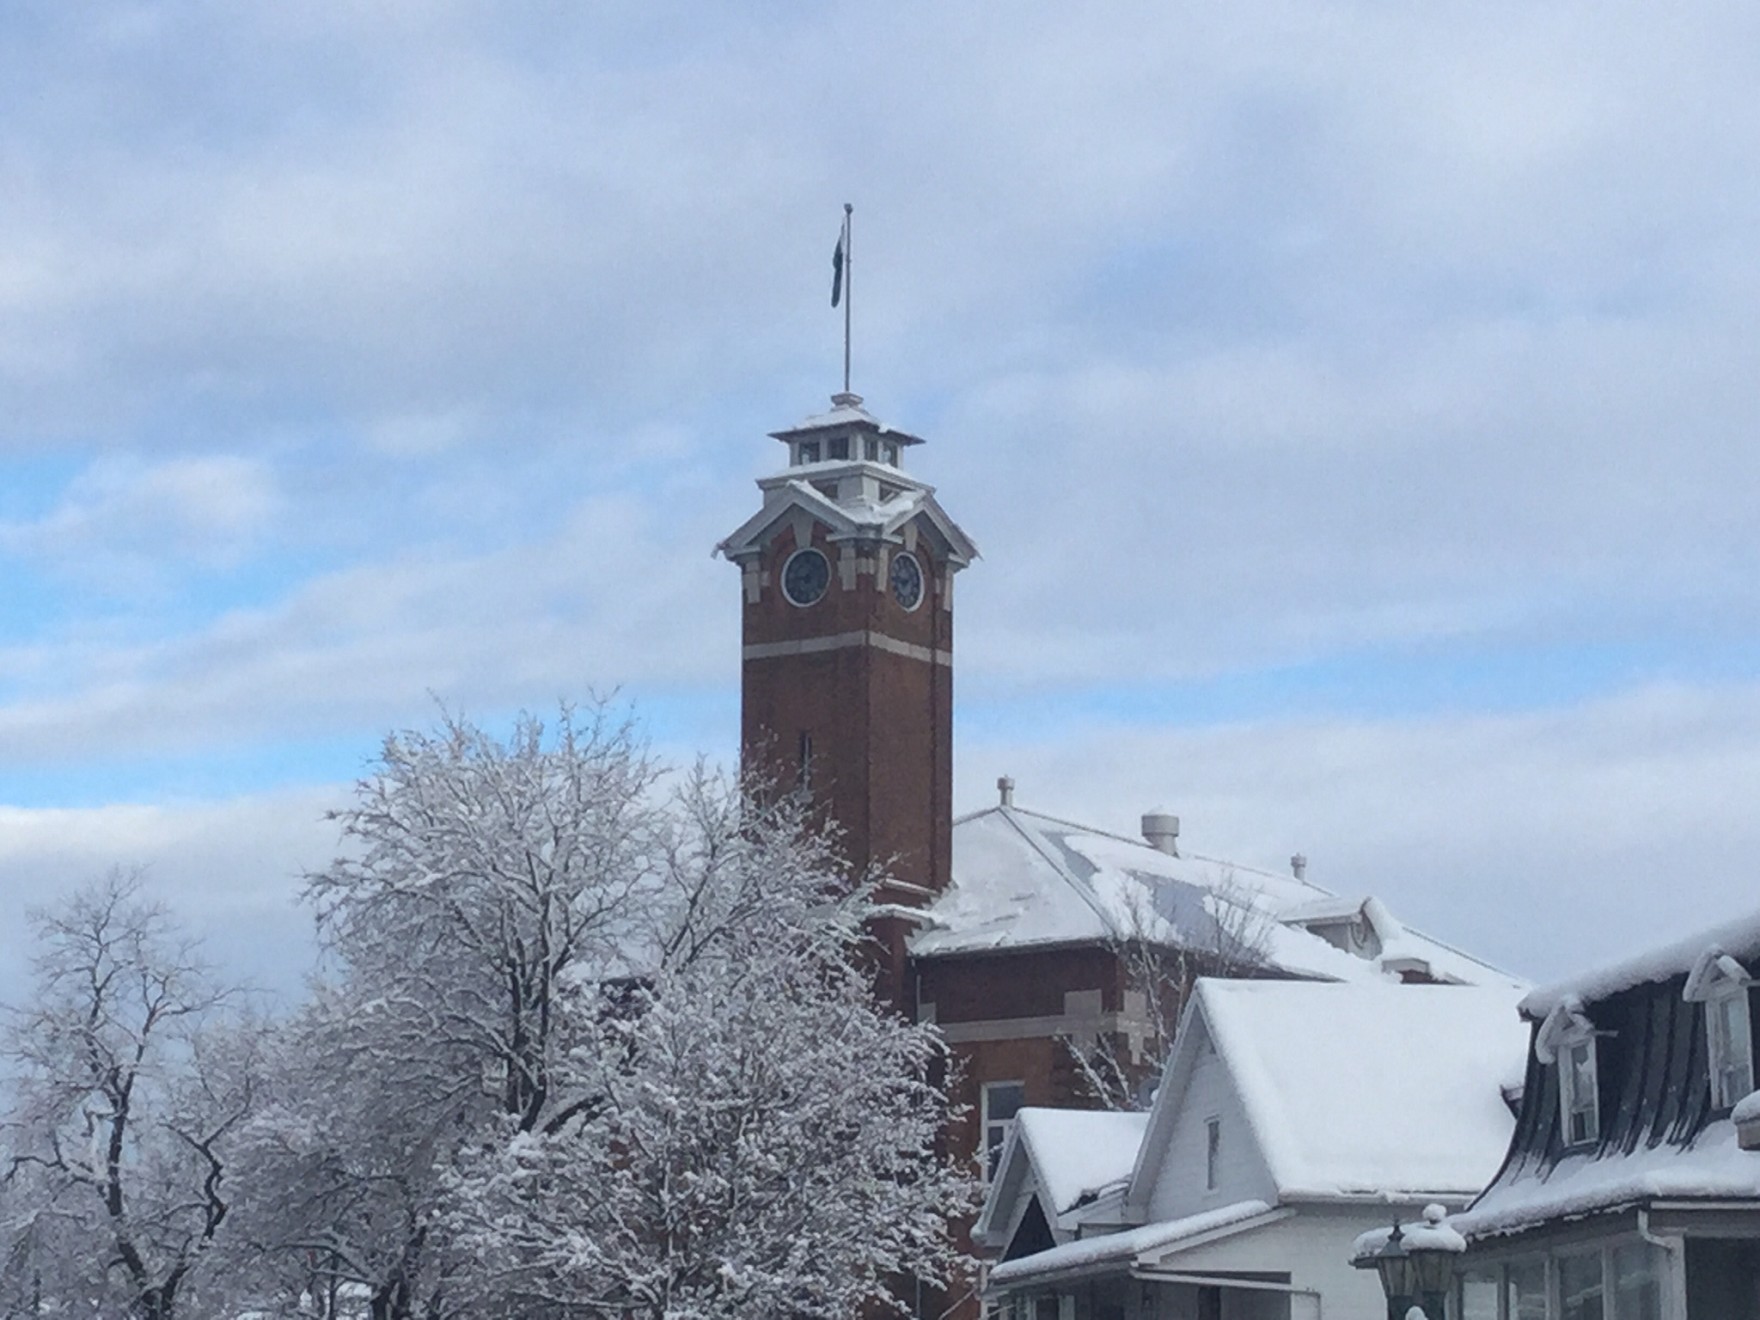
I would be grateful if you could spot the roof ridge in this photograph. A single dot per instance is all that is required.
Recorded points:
(1084, 890)
(1319, 890)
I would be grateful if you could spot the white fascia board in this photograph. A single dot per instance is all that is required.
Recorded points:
(1005, 1200)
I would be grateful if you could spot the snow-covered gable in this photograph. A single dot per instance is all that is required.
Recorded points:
(1022, 879)
(1073, 1160)
(1348, 1092)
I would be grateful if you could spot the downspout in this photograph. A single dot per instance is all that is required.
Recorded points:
(1677, 1274)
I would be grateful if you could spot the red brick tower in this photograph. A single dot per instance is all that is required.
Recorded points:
(847, 663)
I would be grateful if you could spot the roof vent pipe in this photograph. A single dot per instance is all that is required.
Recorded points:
(1161, 832)
(1005, 791)
(1298, 866)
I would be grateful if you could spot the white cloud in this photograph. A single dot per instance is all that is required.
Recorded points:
(603, 599)
(229, 870)
(122, 518)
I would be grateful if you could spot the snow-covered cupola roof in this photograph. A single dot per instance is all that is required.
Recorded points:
(843, 472)
(848, 433)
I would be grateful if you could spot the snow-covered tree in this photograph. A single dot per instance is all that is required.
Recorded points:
(129, 1079)
(762, 1136)
(479, 874)
(586, 1048)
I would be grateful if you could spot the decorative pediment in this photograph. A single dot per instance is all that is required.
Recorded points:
(794, 502)
(1714, 973)
(1566, 1024)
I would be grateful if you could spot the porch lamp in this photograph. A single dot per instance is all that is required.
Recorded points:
(1415, 1262)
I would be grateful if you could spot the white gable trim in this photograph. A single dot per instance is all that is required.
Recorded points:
(1564, 1025)
(1714, 973)
(1010, 1190)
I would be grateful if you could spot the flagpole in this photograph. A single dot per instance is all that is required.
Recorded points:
(848, 287)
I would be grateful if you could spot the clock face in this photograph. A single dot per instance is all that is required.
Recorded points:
(907, 580)
(805, 577)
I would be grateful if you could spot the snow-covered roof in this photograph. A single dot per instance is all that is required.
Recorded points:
(1076, 1161)
(1022, 879)
(790, 497)
(1713, 1167)
(1095, 1253)
(1079, 1154)
(1740, 938)
(846, 411)
(1356, 1091)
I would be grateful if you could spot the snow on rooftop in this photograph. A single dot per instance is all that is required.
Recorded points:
(1074, 1257)
(1078, 1154)
(846, 413)
(1740, 937)
(1022, 879)
(1713, 1167)
(1371, 1090)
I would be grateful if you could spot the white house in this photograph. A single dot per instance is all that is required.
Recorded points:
(1291, 1117)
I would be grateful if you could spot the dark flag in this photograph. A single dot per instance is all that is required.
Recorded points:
(837, 271)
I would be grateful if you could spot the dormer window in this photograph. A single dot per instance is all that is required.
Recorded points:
(1732, 1048)
(1567, 1040)
(837, 448)
(809, 452)
(871, 449)
(1578, 1092)
(1721, 983)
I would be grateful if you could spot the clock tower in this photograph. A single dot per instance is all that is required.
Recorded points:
(846, 692)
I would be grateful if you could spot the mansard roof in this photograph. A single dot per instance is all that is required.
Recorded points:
(1658, 1136)
(1023, 880)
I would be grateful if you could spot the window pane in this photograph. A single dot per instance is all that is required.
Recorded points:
(1579, 1288)
(1578, 1068)
(1002, 1100)
(1527, 1291)
(1732, 1068)
(1478, 1299)
(1637, 1282)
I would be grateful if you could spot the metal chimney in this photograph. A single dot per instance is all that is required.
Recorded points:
(1299, 866)
(1161, 832)
(1005, 791)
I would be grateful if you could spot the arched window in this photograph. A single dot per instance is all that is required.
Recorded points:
(1721, 983)
(1567, 1039)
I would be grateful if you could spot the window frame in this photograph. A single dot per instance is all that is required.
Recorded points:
(1566, 1031)
(1719, 1047)
(990, 1156)
(1571, 1101)
(1550, 1265)
(1213, 1153)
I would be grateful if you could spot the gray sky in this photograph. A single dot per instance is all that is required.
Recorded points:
(1354, 404)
